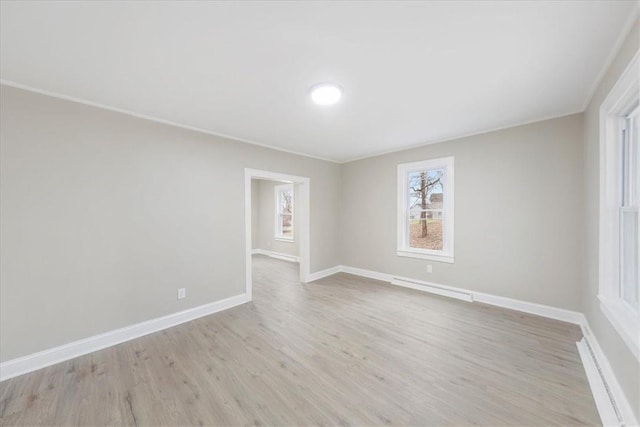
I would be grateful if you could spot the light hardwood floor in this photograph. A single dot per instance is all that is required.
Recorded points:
(343, 350)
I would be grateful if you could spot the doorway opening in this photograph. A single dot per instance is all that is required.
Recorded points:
(291, 221)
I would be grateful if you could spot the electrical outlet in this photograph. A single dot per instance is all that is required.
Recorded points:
(182, 293)
(429, 268)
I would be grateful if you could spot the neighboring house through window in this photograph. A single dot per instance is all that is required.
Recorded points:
(425, 209)
(284, 212)
(619, 287)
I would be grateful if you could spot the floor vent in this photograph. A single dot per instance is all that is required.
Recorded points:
(606, 403)
(434, 289)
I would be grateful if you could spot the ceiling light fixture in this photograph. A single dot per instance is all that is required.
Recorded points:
(326, 93)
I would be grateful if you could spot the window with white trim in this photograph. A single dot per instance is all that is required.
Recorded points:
(619, 258)
(425, 209)
(284, 212)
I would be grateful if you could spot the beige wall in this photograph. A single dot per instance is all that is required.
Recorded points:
(105, 215)
(264, 221)
(625, 366)
(518, 213)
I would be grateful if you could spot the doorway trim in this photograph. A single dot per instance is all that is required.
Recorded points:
(302, 217)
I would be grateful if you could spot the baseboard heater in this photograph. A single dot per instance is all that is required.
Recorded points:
(607, 408)
(434, 289)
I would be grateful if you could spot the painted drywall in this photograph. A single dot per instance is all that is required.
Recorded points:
(265, 233)
(518, 219)
(625, 366)
(105, 215)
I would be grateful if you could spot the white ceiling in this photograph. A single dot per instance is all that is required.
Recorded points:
(412, 72)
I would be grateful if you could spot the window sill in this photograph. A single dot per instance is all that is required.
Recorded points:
(422, 255)
(624, 321)
(284, 239)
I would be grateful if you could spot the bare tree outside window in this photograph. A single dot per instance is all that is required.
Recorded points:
(284, 211)
(425, 209)
(286, 215)
(425, 199)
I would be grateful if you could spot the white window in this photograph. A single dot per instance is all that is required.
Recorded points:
(619, 199)
(425, 209)
(284, 212)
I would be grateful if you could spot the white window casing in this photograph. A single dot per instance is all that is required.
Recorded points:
(618, 200)
(447, 212)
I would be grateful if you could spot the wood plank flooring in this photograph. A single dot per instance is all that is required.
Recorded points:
(341, 351)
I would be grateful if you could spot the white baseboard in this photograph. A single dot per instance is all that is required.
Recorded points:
(324, 273)
(551, 312)
(278, 255)
(468, 295)
(604, 379)
(433, 288)
(42, 359)
(375, 275)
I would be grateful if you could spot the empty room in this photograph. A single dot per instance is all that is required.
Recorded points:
(294, 213)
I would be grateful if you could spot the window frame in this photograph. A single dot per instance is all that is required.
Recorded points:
(621, 101)
(403, 249)
(279, 189)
